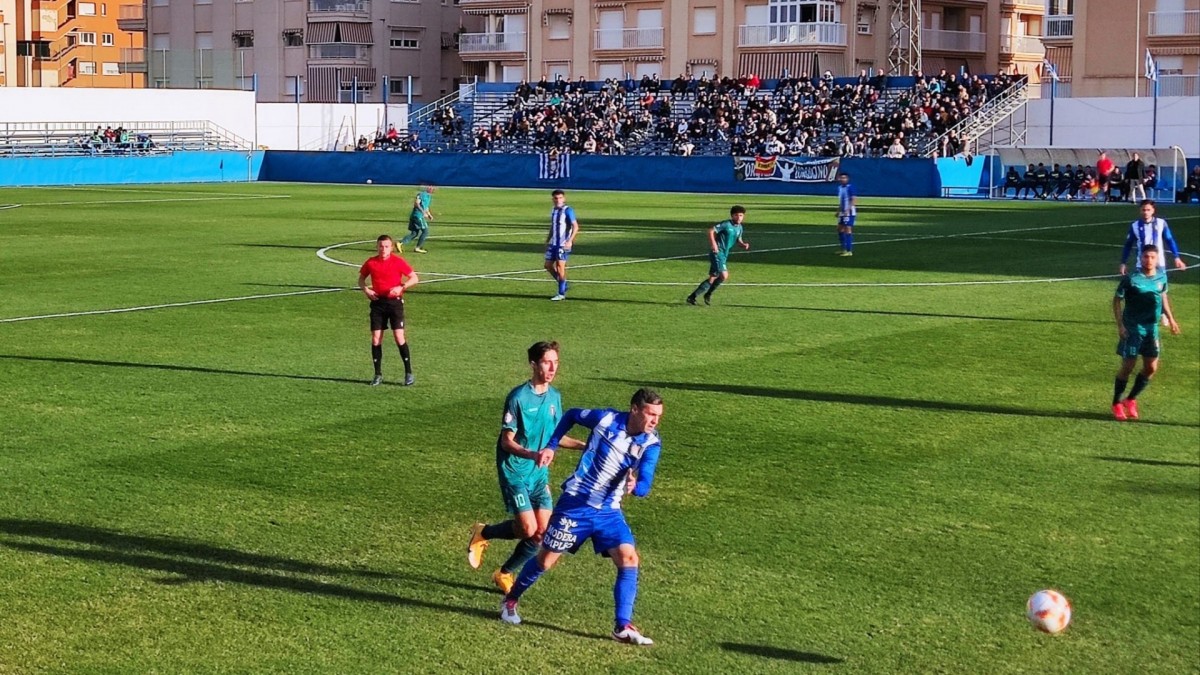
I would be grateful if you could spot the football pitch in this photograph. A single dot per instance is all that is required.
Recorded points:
(868, 463)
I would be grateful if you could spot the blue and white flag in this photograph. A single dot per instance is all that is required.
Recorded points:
(1048, 71)
(1151, 67)
(554, 165)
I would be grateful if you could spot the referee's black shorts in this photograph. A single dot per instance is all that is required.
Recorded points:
(385, 311)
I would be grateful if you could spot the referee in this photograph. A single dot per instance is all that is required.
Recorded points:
(390, 276)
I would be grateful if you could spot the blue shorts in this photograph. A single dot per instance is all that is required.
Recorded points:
(846, 221)
(557, 253)
(570, 527)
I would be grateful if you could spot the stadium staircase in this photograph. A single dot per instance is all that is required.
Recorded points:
(972, 131)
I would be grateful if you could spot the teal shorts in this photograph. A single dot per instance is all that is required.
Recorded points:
(417, 223)
(1141, 341)
(716, 264)
(520, 496)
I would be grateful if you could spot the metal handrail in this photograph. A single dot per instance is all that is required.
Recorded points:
(1019, 89)
(428, 110)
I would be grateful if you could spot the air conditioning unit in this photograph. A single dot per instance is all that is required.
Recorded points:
(864, 29)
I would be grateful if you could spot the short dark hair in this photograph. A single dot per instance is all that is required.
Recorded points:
(737, 208)
(644, 397)
(538, 349)
(1149, 247)
(557, 193)
(385, 237)
(843, 173)
(1147, 202)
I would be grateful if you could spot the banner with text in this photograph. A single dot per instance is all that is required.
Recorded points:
(786, 169)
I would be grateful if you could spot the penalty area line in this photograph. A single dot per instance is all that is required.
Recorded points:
(167, 305)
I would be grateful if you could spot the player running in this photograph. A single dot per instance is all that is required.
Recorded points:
(390, 276)
(620, 456)
(418, 220)
(559, 241)
(847, 211)
(531, 412)
(1144, 294)
(721, 238)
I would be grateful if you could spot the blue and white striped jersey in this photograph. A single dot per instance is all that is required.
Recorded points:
(611, 453)
(846, 200)
(561, 218)
(1155, 234)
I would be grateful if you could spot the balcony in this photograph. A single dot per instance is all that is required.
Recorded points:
(490, 43)
(953, 41)
(339, 52)
(332, 9)
(1058, 27)
(792, 34)
(629, 38)
(131, 18)
(1177, 85)
(1021, 44)
(133, 60)
(1164, 24)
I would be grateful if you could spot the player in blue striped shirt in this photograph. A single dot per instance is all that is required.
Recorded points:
(559, 241)
(620, 457)
(847, 211)
(1150, 230)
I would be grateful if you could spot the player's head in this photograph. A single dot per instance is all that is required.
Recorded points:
(558, 197)
(543, 360)
(737, 213)
(645, 410)
(428, 188)
(1147, 207)
(844, 178)
(1149, 257)
(384, 245)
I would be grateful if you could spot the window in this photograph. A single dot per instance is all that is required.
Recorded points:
(204, 2)
(405, 39)
(613, 71)
(106, 39)
(161, 83)
(704, 21)
(110, 69)
(510, 73)
(558, 71)
(204, 41)
(245, 83)
(558, 26)
(158, 3)
(160, 42)
(85, 38)
(293, 37)
(87, 9)
(243, 39)
(87, 67)
(803, 11)
(399, 86)
(103, 9)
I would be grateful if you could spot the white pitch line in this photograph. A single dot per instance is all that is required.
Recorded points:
(191, 303)
(151, 201)
(9, 206)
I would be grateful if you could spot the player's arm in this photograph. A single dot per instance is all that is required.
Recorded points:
(1167, 312)
(1130, 240)
(508, 443)
(574, 229)
(1117, 302)
(712, 238)
(367, 290)
(573, 416)
(645, 471)
(1170, 242)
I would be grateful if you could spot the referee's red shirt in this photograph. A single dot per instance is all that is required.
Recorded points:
(386, 274)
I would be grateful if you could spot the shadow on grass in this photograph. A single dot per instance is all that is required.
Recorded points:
(186, 369)
(1149, 462)
(187, 561)
(766, 651)
(881, 401)
(885, 312)
(543, 297)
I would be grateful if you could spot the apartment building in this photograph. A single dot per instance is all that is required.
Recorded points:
(1098, 47)
(526, 39)
(319, 51)
(64, 43)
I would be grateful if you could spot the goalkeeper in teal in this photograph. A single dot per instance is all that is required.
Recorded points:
(721, 238)
(1144, 296)
(531, 412)
(418, 220)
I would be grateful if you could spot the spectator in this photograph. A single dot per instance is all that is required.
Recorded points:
(1012, 181)
(1191, 188)
(363, 144)
(1041, 177)
(1104, 168)
(1152, 177)
(896, 150)
(1135, 174)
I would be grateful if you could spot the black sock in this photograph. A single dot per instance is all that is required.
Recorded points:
(407, 358)
(377, 358)
(715, 285)
(1118, 389)
(525, 551)
(499, 531)
(1139, 383)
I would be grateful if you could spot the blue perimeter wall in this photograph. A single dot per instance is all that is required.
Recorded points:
(176, 167)
(876, 177)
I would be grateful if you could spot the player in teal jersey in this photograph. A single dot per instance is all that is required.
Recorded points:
(418, 220)
(531, 412)
(721, 238)
(1144, 296)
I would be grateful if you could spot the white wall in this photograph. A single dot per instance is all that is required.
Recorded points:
(1116, 123)
(322, 126)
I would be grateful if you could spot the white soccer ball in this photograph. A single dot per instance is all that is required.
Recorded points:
(369, 181)
(1048, 611)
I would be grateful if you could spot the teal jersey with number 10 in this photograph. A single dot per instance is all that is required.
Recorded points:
(726, 234)
(532, 417)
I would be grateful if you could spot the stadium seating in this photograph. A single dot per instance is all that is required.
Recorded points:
(34, 139)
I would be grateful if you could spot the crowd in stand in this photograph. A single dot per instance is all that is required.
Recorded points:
(391, 140)
(820, 117)
(110, 140)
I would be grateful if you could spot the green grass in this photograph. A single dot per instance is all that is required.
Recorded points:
(859, 478)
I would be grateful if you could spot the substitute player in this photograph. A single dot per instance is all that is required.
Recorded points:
(1144, 295)
(531, 412)
(847, 211)
(621, 454)
(721, 238)
(390, 276)
(559, 241)
(418, 220)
